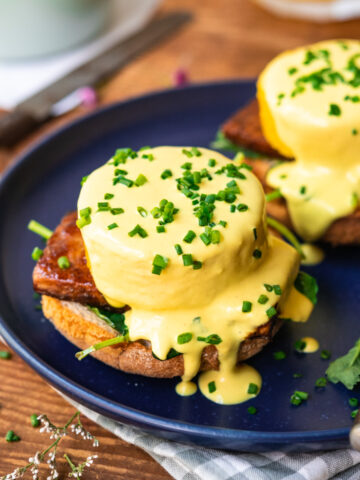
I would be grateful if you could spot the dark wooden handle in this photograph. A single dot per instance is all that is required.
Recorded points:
(14, 126)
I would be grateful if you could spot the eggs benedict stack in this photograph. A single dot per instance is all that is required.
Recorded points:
(308, 117)
(171, 270)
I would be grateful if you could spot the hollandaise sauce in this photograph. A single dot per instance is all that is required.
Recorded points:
(309, 107)
(178, 234)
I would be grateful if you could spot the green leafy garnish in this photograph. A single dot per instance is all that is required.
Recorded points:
(346, 369)
(223, 143)
(307, 285)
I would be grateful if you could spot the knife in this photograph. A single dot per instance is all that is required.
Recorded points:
(37, 109)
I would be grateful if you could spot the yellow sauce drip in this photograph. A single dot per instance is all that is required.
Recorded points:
(312, 345)
(182, 300)
(297, 307)
(319, 128)
(231, 384)
(313, 254)
(185, 389)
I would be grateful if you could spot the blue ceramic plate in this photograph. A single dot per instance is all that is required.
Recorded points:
(45, 184)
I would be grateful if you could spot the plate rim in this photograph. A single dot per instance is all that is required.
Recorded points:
(97, 401)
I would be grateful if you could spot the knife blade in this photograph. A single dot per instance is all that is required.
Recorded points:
(37, 109)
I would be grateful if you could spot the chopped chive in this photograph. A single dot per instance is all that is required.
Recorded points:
(160, 229)
(302, 190)
(354, 131)
(252, 410)
(99, 346)
(187, 259)
(321, 382)
(138, 230)
(197, 265)
(246, 306)
(353, 402)
(298, 397)
(141, 179)
(184, 338)
(156, 270)
(212, 162)
(277, 289)
(300, 345)
(279, 355)
(186, 166)
(142, 211)
(108, 196)
(215, 236)
(5, 355)
(354, 413)
(63, 262)
(286, 233)
(120, 171)
(148, 156)
(270, 312)
(334, 110)
(166, 174)
(189, 237)
(232, 208)
(124, 181)
(255, 234)
(34, 420)
(195, 151)
(205, 238)
(297, 375)
(112, 226)
(103, 206)
(223, 223)
(36, 254)
(83, 180)
(39, 229)
(257, 253)
(252, 389)
(268, 287)
(325, 354)
(85, 212)
(178, 249)
(160, 261)
(187, 153)
(212, 339)
(12, 437)
(242, 207)
(212, 387)
(263, 299)
(116, 211)
(292, 70)
(83, 221)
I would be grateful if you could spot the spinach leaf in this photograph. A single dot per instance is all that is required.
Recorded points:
(307, 285)
(346, 369)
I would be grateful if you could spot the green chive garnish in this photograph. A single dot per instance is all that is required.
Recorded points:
(36, 254)
(252, 410)
(263, 299)
(108, 196)
(325, 354)
(83, 221)
(321, 383)
(257, 253)
(252, 389)
(189, 237)
(213, 339)
(242, 207)
(298, 397)
(178, 249)
(160, 229)
(116, 211)
(270, 312)
(232, 208)
(300, 345)
(205, 238)
(279, 355)
(5, 355)
(138, 230)
(187, 259)
(142, 211)
(212, 162)
(184, 338)
(255, 234)
(215, 236)
(39, 229)
(166, 174)
(212, 387)
(302, 190)
(34, 420)
(268, 287)
(246, 306)
(112, 226)
(223, 223)
(103, 206)
(269, 197)
(141, 179)
(197, 265)
(334, 110)
(353, 402)
(63, 262)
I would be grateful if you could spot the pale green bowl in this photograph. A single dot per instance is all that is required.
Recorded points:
(31, 28)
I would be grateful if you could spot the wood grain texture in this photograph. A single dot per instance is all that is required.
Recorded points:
(227, 39)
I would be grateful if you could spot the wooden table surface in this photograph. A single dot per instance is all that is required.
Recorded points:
(227, 39)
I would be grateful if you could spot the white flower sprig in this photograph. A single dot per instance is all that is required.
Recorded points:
(56, 433)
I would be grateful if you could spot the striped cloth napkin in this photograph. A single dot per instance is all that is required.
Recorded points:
(186, 462)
